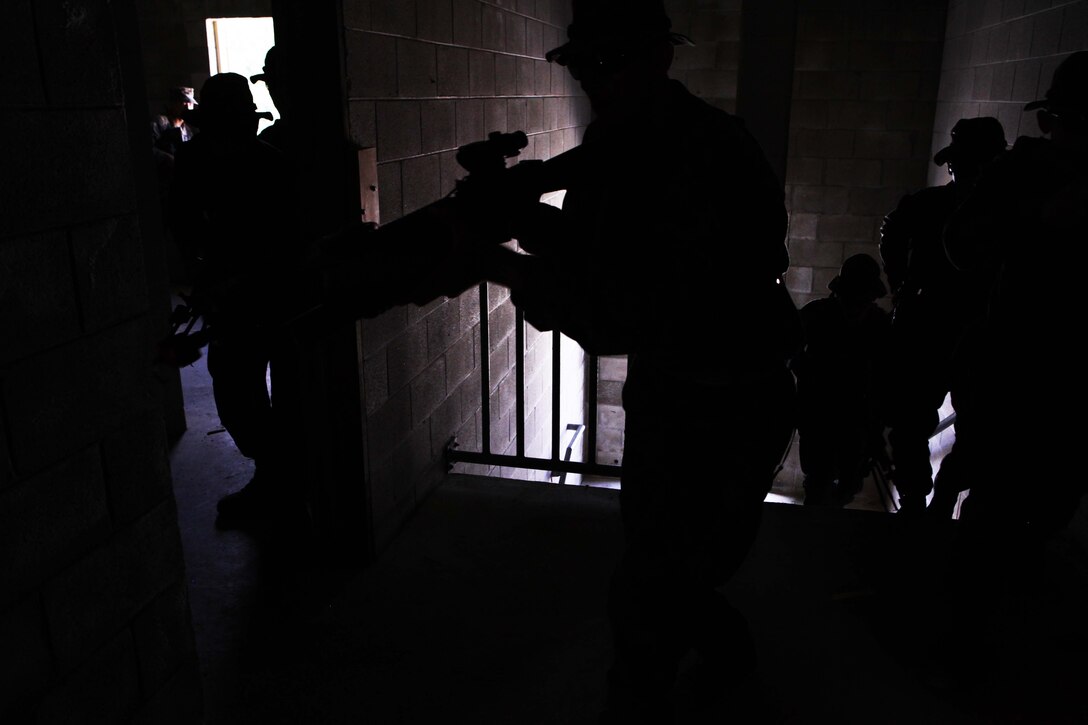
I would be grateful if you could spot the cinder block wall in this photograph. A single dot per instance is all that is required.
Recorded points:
(860, 126)
(94, 619)
(999, 56)
(424, 77)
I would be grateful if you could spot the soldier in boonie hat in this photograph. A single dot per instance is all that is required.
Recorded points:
(1067, 97)
(604, 32)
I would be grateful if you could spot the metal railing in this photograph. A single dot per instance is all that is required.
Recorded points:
(559, 462)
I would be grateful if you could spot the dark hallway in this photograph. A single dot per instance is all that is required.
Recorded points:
(453, 579)
(488, 608)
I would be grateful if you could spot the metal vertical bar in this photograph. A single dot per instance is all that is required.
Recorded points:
(557, 379)
(592, 374)
(485, 372)
(519, 378)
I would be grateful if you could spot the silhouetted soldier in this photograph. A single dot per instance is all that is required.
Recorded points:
(232, 211)
(272, 75)
(692, 293)
(928, 297)
(1016, 236)
(839, 419)
(170, 129)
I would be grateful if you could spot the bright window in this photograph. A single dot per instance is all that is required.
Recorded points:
(238, 45)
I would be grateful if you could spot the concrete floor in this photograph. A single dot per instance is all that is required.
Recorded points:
(488, 609)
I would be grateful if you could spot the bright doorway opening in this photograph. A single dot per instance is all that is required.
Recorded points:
(238, 45)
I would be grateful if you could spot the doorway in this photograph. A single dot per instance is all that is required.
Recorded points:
(239, 45)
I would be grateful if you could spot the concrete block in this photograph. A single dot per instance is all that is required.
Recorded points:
(612, 367)
(417, 73)
(78, 53)
(827, 85)
(370, 72)
(443, 328)
(453, 74)
(552, 37)
(810, 253)
(506, 75)
(20, 79)
(375, 382)
(517, 114)
(526, 76)
(59, 402)
(1002, 83)
(542, 74)
(1074, 28)
(904, 173)
(428, 390)
(363, 123)
(494, 115)
(481, 73)
(106, 684)
(47, 520)
(1012, 9)
(798, 279)
(399, 130)
(844, 228)
(407, 357)
(136, 468)
(804, 170)
(919, 56)
(534, 39)
(38, 306)
(517, 40)
(444, 424)
(460, 361)
(492, 28)
(1020, 35)
(390, 424)
(803, 226)
(449, 170)
(911, 115)
(393, 16)
(502, 320)
(470, 121)
(982, 83)
(390, 191)
(822, 143)
(92, 600)
(870, 202)
(421, 182)
(883, 144)
(980, 47)
(435, 20)
(998, 47)
(163, 635)
(66, 180)
(853, 172)
(438, 121)
(108, 258)
(1025, 85)
(357, 15)
(883, 86)
(713, 83)
(468, 23)
(25, 663)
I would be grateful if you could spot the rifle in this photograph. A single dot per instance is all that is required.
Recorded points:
(438, 250)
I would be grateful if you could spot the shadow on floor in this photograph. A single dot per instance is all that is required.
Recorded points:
(488, 609)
